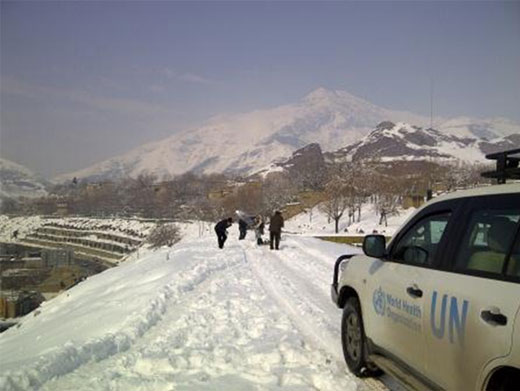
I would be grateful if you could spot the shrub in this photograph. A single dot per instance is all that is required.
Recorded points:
(164, 235)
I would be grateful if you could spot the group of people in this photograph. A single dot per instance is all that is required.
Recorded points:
(250, 222)
(257, 223)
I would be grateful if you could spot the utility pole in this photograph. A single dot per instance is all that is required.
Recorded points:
(429, 185)
(431, 103)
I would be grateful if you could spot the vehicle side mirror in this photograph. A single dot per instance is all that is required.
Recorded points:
(374, 246)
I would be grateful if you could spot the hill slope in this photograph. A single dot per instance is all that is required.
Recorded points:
(249, 142)
(18, 181)
(245, 143)
(191, 318)
(401, 141)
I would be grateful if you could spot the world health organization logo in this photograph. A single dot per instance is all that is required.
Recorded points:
(379, 301)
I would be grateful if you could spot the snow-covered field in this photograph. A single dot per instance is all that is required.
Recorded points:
(316, 223)
(310, 223)
(190, 317)
(193, 317)
(25, 225)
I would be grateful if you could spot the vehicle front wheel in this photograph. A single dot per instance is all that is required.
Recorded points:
(353, 340)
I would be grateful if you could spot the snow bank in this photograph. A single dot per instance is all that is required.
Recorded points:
(96, 319)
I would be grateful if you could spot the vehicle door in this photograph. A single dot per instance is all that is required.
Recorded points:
(396, 285)
(472, 306)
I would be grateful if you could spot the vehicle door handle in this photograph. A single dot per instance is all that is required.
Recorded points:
(414, 291)
(494, 317)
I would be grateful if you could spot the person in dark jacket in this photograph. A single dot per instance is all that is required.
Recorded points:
(221, 231)
(242, 228)
(275, 229)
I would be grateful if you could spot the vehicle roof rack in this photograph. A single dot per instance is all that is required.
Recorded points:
(507, 165)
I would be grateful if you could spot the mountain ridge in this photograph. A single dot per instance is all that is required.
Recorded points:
(402, 141)
(247, 142)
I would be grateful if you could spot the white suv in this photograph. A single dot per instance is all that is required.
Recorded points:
(439, 306)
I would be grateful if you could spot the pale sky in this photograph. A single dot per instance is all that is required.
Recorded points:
(82, 81)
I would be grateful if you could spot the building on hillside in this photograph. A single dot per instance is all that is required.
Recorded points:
(94, 187)
(250, 188)
(14, 303)
(18, 278)
(291, 209)
(413, 201)
(63, 256)
(162, 188)
(62, 208)
(440, 188)
(218, 193)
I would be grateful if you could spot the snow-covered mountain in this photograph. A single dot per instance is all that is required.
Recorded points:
(18, 181)
(490, 128)
(401, 141)
(245, 143)
(248, 142)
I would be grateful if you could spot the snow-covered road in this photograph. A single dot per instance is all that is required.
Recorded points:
(192, 317)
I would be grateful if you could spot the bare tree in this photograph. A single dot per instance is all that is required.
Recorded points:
(164, 235)
(9, 205)
(277, 191)
(387, 203)
(462, 176)
(249, 197)
(337, 202)
(357, 182)
(142, 194)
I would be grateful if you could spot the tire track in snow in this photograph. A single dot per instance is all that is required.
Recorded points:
(230, 333)
(302, 262)
(303, 301)
(303, 292)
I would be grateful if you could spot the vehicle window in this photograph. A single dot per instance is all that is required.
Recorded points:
(513, 266)
(419, 245)
(488, 240)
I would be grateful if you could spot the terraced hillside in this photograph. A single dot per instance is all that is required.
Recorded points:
(105, 240)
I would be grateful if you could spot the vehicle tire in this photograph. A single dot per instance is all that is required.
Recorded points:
(354, 342)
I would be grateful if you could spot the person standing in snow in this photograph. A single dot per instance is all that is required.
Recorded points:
(242, 228)
(221, 231)
(259, 229)
(275, 229)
